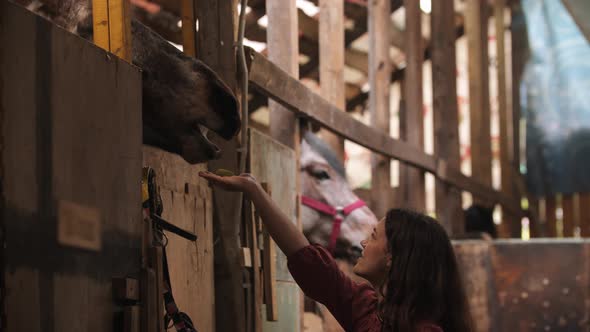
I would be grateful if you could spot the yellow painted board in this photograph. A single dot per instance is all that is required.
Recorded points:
(100, 23)
(120, 28)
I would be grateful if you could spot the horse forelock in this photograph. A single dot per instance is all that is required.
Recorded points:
(326, 152)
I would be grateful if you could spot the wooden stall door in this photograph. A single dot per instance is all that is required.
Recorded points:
(72, 168)
(187, 204)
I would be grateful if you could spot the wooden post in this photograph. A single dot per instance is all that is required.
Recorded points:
(533, 215)
(215, 42)
(585, 214)
(476, 25)
(551, 220)
(519, 45)
(120, 28)
(112, 26)
(2, 175)
(568, 206)
(446, 119)
(100, 24)
(379, 78)
(506, 122)
(189, 37)
(331, 44)
(415, 187)
(252, 222)
(283, 50)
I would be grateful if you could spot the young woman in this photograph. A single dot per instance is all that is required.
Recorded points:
(408, 259)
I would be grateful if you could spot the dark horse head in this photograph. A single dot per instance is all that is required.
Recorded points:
(182, 98)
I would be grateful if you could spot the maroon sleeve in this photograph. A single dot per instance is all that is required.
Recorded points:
(318, 275)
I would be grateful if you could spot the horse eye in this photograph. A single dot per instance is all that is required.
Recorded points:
(321, 175)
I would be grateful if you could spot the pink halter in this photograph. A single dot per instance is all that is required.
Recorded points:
(339, 213)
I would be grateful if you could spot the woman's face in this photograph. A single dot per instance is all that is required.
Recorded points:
(374, 263)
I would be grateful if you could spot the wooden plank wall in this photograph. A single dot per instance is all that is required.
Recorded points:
(70, 142)
(275, 164)
(379, 81)
(188, 204)
(446, 117)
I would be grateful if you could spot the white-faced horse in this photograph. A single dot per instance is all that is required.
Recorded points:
(331, 214)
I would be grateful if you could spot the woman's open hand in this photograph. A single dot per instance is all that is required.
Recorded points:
(244, 183)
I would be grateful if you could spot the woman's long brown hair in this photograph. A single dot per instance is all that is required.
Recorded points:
(423, 284)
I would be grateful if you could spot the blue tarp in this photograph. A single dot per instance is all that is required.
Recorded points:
(555, 100)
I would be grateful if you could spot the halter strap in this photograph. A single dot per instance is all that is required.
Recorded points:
(338, 213)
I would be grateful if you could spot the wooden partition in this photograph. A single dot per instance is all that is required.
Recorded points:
(188, 204)
(72, 163)
(273, 165)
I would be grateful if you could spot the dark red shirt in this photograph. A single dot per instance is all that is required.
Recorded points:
(354, 305)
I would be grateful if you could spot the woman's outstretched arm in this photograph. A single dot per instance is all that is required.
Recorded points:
(280, 227)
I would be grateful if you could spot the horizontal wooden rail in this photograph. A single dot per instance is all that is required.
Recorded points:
(276, 84)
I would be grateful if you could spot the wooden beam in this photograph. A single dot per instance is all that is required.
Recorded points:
(120, 28)
(296, 97)
(358, 60)
(585, 215)
(568, 206)
(379, 72)
(510, 225)
(100, 24)
(189, 30)
(111, 22)
(550, 216)
(449, 210)
(331, 47)
(283, 50)
(415, 191)
(520, 52)
(476, 26)
(215, 42)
